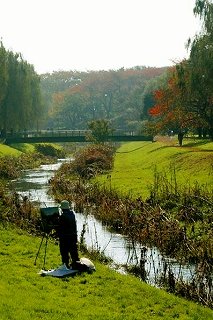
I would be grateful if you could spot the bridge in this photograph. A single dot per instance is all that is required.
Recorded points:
(69, 136)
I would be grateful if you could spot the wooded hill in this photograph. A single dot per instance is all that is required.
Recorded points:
(74, 98)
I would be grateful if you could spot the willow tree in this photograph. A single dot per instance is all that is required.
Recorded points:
(20, 96)
(200, 65)
(10, 96)
(3, 78)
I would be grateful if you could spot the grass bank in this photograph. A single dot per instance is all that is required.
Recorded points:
(9, 151)
(18, 157)
(136, 163)
(18, 148)
(104, 294)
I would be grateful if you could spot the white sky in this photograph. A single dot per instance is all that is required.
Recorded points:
(97, 34)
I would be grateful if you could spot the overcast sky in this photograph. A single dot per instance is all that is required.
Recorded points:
(97, 34)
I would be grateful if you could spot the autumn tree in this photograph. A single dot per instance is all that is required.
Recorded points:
(170, 110)
(148, 99)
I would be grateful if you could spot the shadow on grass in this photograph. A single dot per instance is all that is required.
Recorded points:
(198, 144)
(163, 147)
(194, 145)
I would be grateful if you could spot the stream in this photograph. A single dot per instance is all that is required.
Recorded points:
(34, 184)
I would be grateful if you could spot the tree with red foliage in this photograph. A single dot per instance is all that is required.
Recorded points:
(169, 111)
(174, 108)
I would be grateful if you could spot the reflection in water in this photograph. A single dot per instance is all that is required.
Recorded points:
(34, 185)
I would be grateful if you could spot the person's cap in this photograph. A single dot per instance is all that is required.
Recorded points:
(65, 204)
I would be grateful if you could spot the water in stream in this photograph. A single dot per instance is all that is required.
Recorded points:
(34, 185)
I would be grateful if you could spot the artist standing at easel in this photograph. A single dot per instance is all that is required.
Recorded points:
(67, 232)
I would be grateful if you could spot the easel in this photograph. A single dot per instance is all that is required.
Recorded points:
(45, 235)
(47, 215)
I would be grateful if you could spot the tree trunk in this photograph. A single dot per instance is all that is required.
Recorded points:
(211, 133)
(180, 138)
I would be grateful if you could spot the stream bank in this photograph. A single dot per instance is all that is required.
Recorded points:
(147, 262)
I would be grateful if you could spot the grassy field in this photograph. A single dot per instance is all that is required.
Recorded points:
(105, 294)
(136, 162)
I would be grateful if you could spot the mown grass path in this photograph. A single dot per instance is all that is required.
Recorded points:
(102, 295)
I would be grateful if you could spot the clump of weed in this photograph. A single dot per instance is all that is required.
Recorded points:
(90, 161)
(19, 211)
(11, 167)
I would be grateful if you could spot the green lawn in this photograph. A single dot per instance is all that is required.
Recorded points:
(7, 150)
(105, 294)
(136, 162)
(23, 147)
(17, 148)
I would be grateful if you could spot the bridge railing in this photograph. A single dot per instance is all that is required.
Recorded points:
(59, 133)
(64, 133)
(69, 136)
(46, 133)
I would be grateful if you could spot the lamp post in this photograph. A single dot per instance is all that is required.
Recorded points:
(93, 112)
(107, 105)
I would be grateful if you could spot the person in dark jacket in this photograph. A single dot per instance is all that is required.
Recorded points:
(67, 233)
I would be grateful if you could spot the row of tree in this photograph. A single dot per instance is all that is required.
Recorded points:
(20, 93)
(185, 101)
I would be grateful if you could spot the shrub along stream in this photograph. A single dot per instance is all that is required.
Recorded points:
(177, 221)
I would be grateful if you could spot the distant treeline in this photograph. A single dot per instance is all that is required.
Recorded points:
(73, 99)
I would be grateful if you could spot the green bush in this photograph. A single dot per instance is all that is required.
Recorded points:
(49, 150)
